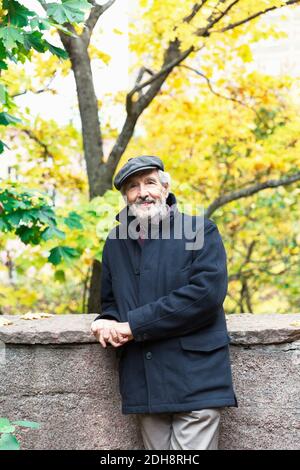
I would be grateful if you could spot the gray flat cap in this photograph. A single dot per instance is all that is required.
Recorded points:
(137, 164)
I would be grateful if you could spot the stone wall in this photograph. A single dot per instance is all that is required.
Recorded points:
(52, 371)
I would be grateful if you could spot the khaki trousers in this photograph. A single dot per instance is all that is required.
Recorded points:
(193, 430)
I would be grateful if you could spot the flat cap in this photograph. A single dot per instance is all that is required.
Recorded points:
(136, 164)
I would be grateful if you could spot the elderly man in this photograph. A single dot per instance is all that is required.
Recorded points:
(162, 307)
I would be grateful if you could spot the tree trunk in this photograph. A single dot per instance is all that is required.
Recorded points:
(99, 174)
(94, 302)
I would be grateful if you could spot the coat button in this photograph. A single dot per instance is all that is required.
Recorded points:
(149, 355)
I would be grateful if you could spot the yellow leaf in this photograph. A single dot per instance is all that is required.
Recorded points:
(36, 316)
(5, 322)
(103, 56)
(245, 53)
(277, 268)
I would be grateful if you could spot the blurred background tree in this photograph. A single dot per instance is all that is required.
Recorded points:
(227, 132)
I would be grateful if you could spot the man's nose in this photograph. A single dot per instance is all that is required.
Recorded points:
(143, 191)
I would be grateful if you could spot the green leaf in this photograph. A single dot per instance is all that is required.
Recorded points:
(36, 41)
(17, 14)
(3, 65)
(40, 23)
(55, 256)
(35, 23)
(9, 442)
(57, 12)
(3, 422)
(57, 51)
(60, 276)
(8, 429)
(27, 424)
(44, 215)
(73, 220)
(3, 52)
(15, 218)
(62, 253)
(2, 145)
(3, 226)
(102, 228)
(53, 232)
(10, 36)
(72, 11)
(6, 119)
(5, 426)
(44, 24)
(64, 30)
(3, 94)
(29, 235)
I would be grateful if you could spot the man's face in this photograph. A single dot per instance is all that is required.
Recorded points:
(144, 193)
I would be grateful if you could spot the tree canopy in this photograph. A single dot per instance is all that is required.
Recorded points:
(227, 132)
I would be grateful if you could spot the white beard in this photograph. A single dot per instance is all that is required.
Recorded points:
(151, 214)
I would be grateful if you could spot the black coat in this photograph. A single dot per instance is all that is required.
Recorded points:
(172, 299)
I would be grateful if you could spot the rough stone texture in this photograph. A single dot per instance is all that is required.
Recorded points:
(250, 329)
(244, 329)
(53, 372)
(267, 382)
(72, 390)
(62, 329)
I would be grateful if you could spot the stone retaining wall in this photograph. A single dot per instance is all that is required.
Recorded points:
(52, 371)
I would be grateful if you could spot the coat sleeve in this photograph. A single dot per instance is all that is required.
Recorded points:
(192, 306)
(108, 304)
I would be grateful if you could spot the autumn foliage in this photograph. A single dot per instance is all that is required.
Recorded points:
(227, 132)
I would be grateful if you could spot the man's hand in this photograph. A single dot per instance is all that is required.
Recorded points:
(105, 332)
(111, 331)
(123, 329)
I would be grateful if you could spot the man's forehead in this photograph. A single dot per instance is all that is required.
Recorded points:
(142, 174)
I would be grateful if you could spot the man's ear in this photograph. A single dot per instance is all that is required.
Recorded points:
(166, 189)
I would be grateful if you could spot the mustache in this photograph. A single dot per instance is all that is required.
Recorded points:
(141, 201)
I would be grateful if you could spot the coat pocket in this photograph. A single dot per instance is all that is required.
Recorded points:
(208, 342)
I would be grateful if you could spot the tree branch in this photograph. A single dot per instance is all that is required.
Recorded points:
(168, 65)
(243, 277)
(196, 8)
(44, 146)
(164, 70)
(228, 98)
(213, 19)
(94, 16)
(141, 73)
(240, 193)
(252, 17)
(245, 295)
(172, 58)
(41, 90)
